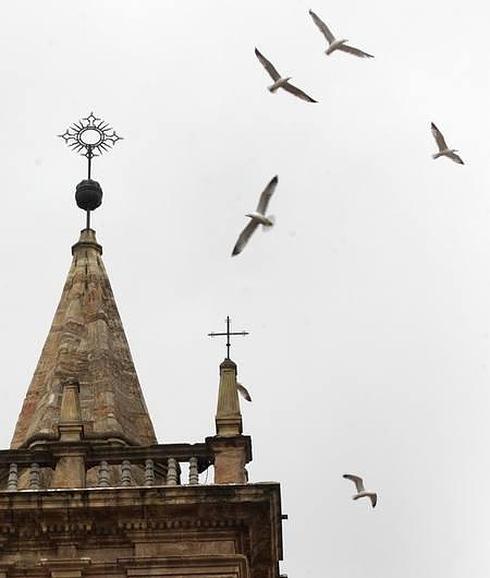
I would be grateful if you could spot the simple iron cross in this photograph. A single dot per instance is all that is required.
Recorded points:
(228, 334)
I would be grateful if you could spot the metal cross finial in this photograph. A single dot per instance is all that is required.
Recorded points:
(90, 137)
(228, 334)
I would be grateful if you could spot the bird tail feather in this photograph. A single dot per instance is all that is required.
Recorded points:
(272, 219)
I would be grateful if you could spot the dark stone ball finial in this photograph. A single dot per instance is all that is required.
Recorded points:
(88, 195)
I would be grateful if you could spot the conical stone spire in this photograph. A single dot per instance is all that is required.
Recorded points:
(87, 343)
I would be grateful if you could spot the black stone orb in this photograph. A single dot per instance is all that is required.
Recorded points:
(88, 195)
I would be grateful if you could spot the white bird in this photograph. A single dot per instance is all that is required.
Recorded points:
(361, 490)
(257, 218)
(334, 43)
(243, 391)
(444, 150)
(280, 82)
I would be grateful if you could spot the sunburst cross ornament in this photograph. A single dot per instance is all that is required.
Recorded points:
(90, 137)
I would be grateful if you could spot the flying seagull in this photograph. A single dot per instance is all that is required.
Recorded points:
(361, 490)
(281, 82)
(257, 218)
(243, 391)
(334, 43)
(444, 151)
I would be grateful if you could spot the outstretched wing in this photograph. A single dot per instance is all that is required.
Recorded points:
(297, 92)
(354, 51)
(357, 481)
(243, 391)
(324, 29)
(436, 133)
(456, 158)
(266, 195)
(268, 66)
(244, 237)
(374, 499)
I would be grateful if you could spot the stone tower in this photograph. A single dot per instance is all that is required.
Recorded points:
(87, 491)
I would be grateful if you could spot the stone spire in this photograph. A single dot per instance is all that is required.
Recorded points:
(232, 450)
(86, 345)
(228, 415)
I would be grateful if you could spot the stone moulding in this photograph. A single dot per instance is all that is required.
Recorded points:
(213, 531)
(225, 566)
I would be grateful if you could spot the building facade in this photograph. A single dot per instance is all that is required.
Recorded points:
(87, 491)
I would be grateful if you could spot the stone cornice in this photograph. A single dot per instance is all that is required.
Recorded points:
(75, 498)
(51, 513)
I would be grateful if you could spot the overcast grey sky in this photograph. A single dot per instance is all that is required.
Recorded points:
(369, 302)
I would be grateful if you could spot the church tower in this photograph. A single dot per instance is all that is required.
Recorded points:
(86, 490)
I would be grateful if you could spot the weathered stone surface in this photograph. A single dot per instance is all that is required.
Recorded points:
(202, 531)
(87, 491)
(231, 454)
(231, 450)
(86, 342)
(228, 415)
(69, 472)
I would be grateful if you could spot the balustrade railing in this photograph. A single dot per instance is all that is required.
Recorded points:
(107, 466)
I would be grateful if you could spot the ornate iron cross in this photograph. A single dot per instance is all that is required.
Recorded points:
(90, 137)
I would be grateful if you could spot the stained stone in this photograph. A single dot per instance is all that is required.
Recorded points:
(86, 342)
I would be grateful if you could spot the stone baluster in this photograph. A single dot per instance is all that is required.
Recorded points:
(35, 477)
(103, 480)
(13, 478)
(149, 473)
(193, 473)
(172, 472)
(126, 476)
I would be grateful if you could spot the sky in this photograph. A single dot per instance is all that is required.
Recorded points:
(368, 304)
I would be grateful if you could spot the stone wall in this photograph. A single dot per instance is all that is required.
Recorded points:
(207, 531)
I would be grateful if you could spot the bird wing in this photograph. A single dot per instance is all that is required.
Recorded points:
(436, 133)
(266, 195)
(456, 158)
(297, 92)
(354, 51)
(268, 66)
(357, 481)
(243, 391)
(374, 499)
(324, 29)
(244, 237)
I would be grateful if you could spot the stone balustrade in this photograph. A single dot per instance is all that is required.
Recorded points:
(106, 466)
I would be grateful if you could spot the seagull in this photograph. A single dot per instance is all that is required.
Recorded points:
(257, 218)
(444, 151)
(361, 490)
(334, 43)
(243, 391)
(281, 82)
